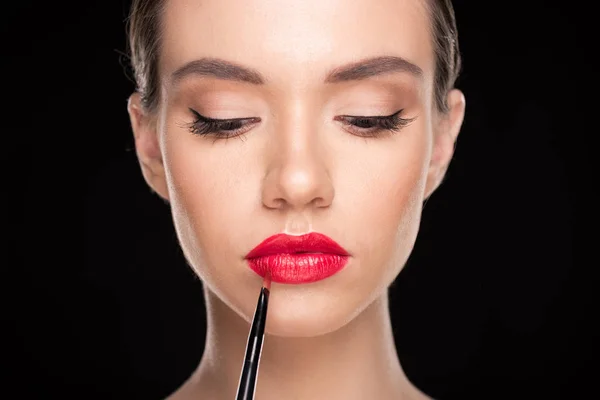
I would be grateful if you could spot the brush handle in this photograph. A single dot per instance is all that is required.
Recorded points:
(247, 384)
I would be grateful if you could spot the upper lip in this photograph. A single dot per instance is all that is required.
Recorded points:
(288, 244)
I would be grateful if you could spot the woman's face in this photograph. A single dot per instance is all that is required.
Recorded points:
(298, 161)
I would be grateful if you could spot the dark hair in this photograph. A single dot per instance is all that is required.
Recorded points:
(144, 30)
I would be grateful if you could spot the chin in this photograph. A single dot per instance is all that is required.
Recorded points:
(302, 312)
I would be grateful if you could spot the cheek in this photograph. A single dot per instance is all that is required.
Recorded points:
(387, 196)
(208, 200)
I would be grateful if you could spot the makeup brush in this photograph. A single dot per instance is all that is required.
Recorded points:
(247, 384)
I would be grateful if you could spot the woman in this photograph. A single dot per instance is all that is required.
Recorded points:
(327, 123)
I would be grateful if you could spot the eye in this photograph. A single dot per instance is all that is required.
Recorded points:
(373, 126)
(220, 128)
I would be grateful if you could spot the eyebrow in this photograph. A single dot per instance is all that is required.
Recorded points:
(372, 67)
(226, 70)
(218, 68)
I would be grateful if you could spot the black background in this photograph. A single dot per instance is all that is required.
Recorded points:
(495, 302)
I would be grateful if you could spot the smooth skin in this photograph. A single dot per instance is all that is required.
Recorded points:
(297, 167)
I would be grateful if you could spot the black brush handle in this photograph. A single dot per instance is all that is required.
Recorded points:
(247, 384)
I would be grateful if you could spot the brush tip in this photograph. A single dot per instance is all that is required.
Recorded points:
(267, 281)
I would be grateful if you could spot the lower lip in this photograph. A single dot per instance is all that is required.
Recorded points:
(298, 268)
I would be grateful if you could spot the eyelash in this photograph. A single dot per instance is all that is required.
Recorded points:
(377, 124)
(221, 128)
(226, 128)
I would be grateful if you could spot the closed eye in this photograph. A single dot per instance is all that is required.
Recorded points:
(221, 128)
(371, 126)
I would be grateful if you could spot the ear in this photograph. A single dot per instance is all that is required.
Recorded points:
(446, 132)
(147, 146)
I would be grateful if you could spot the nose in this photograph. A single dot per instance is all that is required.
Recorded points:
(298, 176)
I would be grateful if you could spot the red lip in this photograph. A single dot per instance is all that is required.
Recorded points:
(297, 259)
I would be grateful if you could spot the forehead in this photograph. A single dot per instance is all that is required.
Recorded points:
(300, 39)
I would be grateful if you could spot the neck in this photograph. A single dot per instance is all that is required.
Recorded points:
(357, 361)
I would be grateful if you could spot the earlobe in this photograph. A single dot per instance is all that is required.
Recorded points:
(147, 146)
(445, 136)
